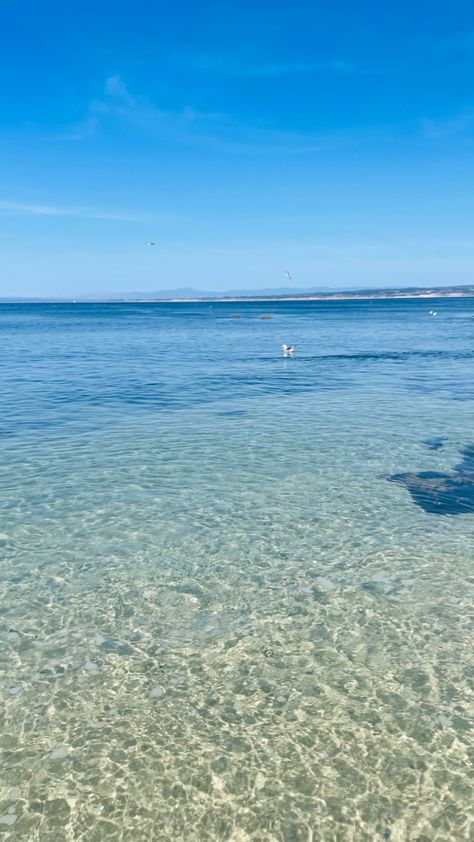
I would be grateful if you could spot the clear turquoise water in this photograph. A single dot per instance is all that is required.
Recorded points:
(220, 620)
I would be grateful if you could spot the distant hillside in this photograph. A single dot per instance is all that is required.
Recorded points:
(189, 293)
(289, 292)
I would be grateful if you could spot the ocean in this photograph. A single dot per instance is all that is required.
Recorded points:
(236, 587)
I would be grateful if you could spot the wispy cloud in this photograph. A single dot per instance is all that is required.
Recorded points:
(461, 124)
(214, 131)
(298, 68)
(48, 210)
(229, 65)
(80, 131)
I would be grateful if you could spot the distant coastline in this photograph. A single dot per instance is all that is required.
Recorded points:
(466, 291)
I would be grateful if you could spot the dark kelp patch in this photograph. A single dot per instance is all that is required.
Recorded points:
(442, 494)
(435, 443)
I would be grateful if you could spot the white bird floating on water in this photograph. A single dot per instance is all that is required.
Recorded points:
(433, 313)
(288, 350)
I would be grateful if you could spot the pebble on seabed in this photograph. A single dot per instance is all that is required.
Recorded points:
(326, 583)
(157, 692)
(114, 646)
(59, 753)
(8, 819)
(260, 781)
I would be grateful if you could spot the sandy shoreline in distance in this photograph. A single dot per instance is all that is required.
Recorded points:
(340, 297)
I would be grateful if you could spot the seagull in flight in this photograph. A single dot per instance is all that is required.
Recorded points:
(150, 243)
(288, 275)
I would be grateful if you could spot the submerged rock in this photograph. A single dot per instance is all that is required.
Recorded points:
(326, 583)
(59, 753)
(9, 819)
(442, 494)
(435, 443)
(114, 646)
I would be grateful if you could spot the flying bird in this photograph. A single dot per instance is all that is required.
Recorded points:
(150, 243)
(288, 275)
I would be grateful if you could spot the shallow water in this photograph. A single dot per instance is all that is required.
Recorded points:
(220, 619)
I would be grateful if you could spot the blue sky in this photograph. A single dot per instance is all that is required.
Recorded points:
(333, 139)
